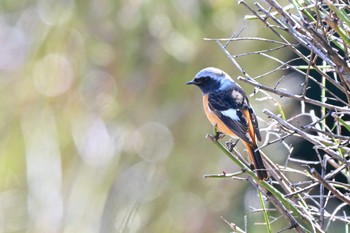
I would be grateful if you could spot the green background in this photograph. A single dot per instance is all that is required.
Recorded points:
(99, 132)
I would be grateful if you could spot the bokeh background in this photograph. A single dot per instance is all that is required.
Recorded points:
(99, 132)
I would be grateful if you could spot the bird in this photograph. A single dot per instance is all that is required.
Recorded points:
(227, 108)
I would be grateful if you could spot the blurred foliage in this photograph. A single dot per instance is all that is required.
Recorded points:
(99, 132)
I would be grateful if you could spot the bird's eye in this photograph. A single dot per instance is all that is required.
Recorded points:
(198, 80)
(202, 79)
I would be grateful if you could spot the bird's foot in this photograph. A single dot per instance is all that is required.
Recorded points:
(230, 144)
(215, 137)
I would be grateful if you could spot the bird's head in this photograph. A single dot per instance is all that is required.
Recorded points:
(210, 79)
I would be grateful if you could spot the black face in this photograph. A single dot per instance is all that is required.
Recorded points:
(205, 83)
(198, 81)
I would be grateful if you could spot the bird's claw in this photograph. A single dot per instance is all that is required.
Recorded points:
(230, 144)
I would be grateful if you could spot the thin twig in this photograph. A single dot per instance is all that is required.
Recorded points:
(306, 136)
(282, 93)
(335, 192)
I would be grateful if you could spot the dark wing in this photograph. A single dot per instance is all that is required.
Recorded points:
(228, 111)
(242, 102)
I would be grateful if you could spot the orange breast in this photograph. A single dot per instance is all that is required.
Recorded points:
(214, 120)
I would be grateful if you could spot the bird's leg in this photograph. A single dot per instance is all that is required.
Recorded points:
(230, 144)
(217, 135)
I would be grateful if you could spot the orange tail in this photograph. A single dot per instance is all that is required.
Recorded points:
(257, 160)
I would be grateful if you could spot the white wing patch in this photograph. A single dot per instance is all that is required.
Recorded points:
(231, 113)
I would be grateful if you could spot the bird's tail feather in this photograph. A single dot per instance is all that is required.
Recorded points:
(257, 160)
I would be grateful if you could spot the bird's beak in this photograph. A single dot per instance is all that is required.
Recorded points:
(191, 82)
